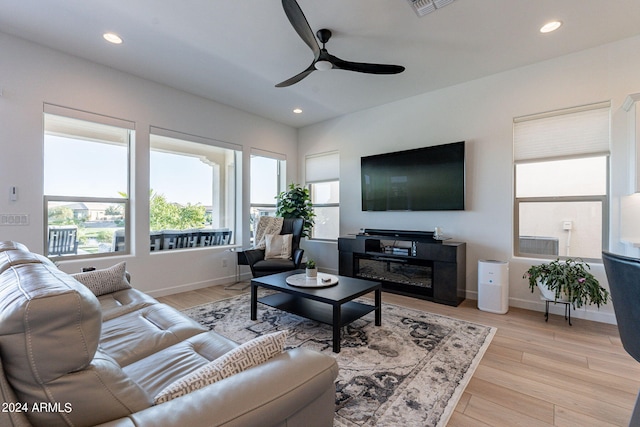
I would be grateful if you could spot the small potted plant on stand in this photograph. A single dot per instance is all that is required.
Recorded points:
(311, 270)
(568, 282)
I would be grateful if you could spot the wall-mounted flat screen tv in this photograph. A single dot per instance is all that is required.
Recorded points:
(422, 179)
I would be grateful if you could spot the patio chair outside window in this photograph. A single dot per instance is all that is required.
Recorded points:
(63, 241)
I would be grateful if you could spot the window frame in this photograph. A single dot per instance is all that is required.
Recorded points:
(55, 110)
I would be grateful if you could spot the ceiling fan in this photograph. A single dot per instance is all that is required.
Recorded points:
(323, 60)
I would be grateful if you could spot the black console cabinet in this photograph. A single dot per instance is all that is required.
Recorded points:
(410, 263)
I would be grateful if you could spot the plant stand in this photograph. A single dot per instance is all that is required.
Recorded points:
(567, 310)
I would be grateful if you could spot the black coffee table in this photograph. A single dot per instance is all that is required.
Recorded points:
(332, 305)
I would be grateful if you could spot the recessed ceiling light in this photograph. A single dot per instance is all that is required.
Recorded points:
(112, 38)
(550, 26)
(297, 110)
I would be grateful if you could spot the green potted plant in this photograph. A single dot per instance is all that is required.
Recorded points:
(311, 270)
(296, 203)
(567, 281)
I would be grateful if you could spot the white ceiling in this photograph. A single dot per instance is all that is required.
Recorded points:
(235, 51)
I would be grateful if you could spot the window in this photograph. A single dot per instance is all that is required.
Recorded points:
(561, 181)
(325, 197)
(322, 173)
(86, 182)
(267, 172)
(192, 196)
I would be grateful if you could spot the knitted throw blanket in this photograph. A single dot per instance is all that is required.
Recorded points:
(266, 225)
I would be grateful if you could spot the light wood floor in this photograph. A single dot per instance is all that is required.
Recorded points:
(533, 374)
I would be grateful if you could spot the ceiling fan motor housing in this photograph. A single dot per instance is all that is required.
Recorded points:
(323, 35)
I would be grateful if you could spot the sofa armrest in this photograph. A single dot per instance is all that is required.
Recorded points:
(294, 388)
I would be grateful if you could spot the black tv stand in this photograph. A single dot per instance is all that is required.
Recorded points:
(410, 263)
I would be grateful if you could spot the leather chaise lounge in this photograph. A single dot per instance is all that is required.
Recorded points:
(74, 357)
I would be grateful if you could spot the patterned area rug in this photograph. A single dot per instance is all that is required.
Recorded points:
(411, 371)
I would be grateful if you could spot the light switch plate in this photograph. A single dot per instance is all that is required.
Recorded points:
(14, 219)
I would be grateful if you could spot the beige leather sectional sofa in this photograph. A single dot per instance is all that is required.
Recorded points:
(71, 358)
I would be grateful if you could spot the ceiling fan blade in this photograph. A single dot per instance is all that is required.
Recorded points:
(363, 67)
(301, 25)
(295, 79)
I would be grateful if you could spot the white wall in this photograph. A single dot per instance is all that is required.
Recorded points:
(481, 112)
(31, 75)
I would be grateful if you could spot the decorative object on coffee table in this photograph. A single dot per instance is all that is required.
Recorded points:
(311, 270)
(321, 280)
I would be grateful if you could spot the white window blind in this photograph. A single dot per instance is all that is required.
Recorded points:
(322, 167)
(571, 132)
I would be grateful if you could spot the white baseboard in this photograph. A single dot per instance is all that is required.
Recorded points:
(586, 313)
(186, 287)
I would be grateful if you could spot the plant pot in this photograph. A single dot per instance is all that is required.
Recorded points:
(550, 295)
(311, 273)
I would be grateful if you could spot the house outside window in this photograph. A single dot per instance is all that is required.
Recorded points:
(268, 175)
(86, 182)
(561, 167)
(322, 173)
(192, 195)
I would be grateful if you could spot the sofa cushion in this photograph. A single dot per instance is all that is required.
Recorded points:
(243, 357)
(97, 394)
(275, 265)
(118, 303)
(155, 372)
(106, 280)
(135, 335)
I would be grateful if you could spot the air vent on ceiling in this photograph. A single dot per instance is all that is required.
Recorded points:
(424, 7)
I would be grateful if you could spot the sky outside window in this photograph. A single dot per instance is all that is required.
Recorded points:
(84, 168)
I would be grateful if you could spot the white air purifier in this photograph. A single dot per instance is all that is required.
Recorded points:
(493, 286)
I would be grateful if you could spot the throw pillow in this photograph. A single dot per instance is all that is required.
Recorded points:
(249, 354)
(278, 246)
(105, 281)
